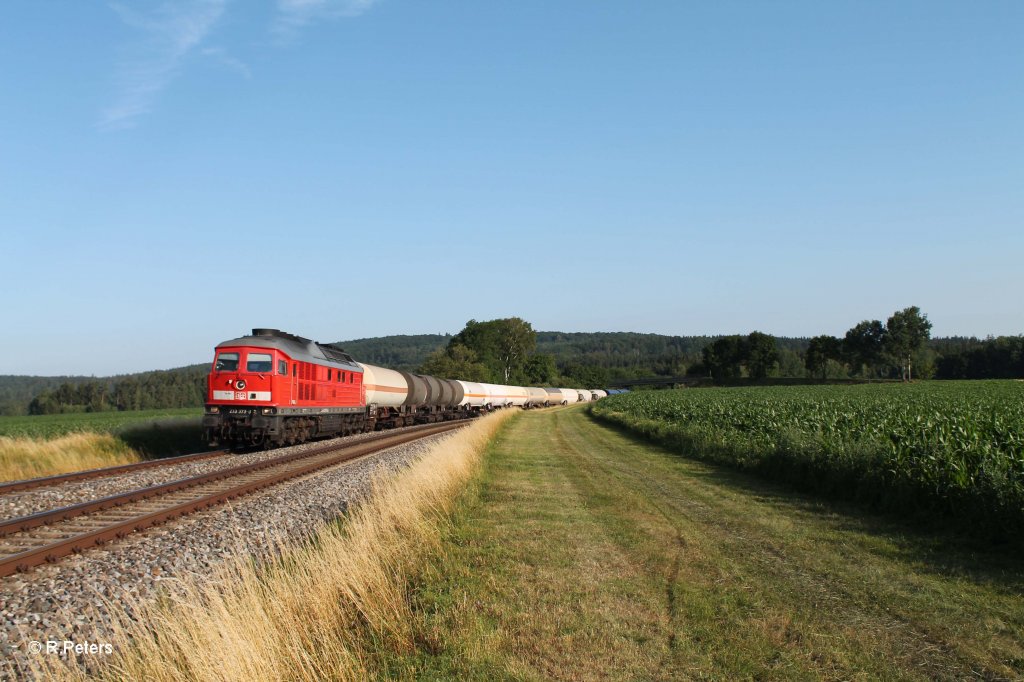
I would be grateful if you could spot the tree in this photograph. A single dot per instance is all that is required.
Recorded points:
(503, 345)
(586, 376)
(455, 362)
(864, 345)
(906, 332)
(760, 354)
(541, 369)
(724, 357)
(820, 350)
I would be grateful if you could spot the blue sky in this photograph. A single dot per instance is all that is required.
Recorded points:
(173, 174)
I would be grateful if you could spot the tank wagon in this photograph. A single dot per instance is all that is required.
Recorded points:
(275, 388)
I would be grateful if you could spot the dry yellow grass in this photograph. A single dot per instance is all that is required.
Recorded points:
(325, 608)
(22, 458)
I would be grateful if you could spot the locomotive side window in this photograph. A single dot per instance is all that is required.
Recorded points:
(227, 362)
(259, 362)
(328, 375)
(282, 367)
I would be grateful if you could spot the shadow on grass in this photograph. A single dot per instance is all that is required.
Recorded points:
(937, 545)
(165, 437)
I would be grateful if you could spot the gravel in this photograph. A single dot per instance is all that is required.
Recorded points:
(72, 600)
(13, 505)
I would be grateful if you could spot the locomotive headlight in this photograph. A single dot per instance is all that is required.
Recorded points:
(268, 410)
(240, 384)
(213, 409)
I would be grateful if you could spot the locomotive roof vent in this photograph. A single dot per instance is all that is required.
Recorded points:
(281, 335)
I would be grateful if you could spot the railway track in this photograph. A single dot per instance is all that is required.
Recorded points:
(46, 537)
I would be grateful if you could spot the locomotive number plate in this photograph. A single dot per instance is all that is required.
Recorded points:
(240, 395)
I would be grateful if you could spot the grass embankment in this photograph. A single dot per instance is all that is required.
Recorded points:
(59, 443)
(584, 553)
(22, 458)
(332, 609)
(953, 450)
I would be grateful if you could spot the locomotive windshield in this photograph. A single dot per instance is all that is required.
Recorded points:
(227, 362)
(258, 362)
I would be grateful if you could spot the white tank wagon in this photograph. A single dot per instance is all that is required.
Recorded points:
(519, 395)
(555, 397)
(474, 395)
(506, 396)
(585, 395)
(536, 397)
(599, 393)
(384, 387)
(495, 395)
(570, 396)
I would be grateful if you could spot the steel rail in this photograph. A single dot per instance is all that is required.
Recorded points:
(49, 553)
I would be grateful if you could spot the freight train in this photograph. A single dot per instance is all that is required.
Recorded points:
(273, 388)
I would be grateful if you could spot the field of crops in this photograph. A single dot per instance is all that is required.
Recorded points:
(53, 425)
(955, 448)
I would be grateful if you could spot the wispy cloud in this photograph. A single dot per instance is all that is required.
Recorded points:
(221, 55)
(293, 15)
(169, 33)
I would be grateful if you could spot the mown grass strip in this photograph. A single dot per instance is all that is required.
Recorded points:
(583, 553)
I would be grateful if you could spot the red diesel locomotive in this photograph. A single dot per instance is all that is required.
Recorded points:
(277, 388)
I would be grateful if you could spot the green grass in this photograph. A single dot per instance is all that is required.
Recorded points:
(954, 449)
(585, 553)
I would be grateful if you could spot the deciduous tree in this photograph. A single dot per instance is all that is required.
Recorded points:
(906, 332)
(760, 355)
(864, 345)
(820, 350)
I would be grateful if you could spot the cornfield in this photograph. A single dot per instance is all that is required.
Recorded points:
(955, 448)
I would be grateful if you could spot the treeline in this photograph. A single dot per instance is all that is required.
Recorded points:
(566, 359)
(17, 391)
(900, 348)
(185, 387)
(729, 356)
(870, 349)
(994, 358)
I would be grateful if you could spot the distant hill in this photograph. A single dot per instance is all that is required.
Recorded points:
(405, 352)
(623, 353)
(15, 388)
